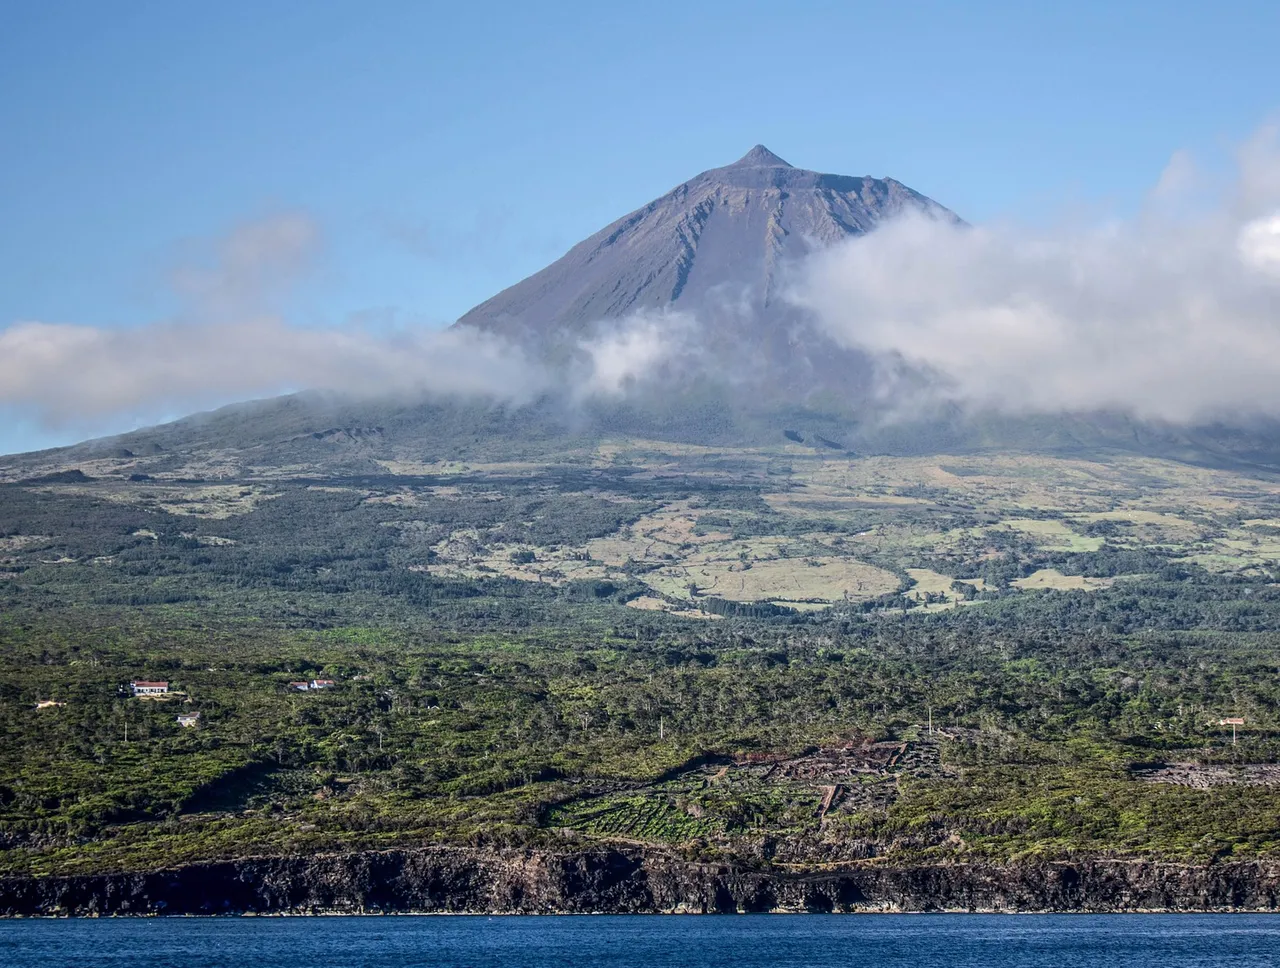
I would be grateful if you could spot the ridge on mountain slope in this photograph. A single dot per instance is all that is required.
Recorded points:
(717, 245)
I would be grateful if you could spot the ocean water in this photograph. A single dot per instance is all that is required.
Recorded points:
(866, 941)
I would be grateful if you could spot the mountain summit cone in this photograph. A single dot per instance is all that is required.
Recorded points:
(717, 246)
(760, 157)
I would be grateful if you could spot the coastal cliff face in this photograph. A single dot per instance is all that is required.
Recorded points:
(622, 881)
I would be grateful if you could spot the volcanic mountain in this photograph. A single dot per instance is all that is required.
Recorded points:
(717, 249)
(718, 246)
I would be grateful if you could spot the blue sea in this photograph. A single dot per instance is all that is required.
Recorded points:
(954, 941)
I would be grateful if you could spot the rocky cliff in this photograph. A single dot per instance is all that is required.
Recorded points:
(624, 881)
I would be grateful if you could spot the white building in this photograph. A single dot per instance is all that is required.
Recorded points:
(144, 687)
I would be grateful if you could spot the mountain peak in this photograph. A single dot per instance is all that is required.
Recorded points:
(717, 246)
(759, 157)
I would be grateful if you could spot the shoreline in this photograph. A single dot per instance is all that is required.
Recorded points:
(496, 882)
(944, 912)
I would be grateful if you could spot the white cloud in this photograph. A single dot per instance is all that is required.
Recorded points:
(1259, 244)
(70, 374)
(229, 342)
(620, 355)
(1166, 315)
(247, 269)
(1180, 176)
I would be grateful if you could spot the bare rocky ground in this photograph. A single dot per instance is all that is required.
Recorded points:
(1203, 776)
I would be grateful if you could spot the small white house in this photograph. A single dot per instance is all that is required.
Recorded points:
(313, 684)
(144, 687)
(187, 720)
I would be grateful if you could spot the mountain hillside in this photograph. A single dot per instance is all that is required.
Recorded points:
(717, 245)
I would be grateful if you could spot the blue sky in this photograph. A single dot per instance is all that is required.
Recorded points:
(445, 150)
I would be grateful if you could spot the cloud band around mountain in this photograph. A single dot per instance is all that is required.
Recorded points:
(1173, 314)
(230, 342)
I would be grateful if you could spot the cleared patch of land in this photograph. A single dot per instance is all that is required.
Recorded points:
(1051, 533)
(1052, 578)
(649, 603)
(767, 578)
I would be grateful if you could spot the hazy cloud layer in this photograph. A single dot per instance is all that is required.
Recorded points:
(249, 268)
(230, 343)
(68, 374)
(1174, 313)
(619, 356)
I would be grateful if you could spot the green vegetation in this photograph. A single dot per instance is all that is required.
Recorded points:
(652, 734)
(786, 655)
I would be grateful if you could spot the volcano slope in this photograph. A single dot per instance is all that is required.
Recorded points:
(640, 657)
(718, 244)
